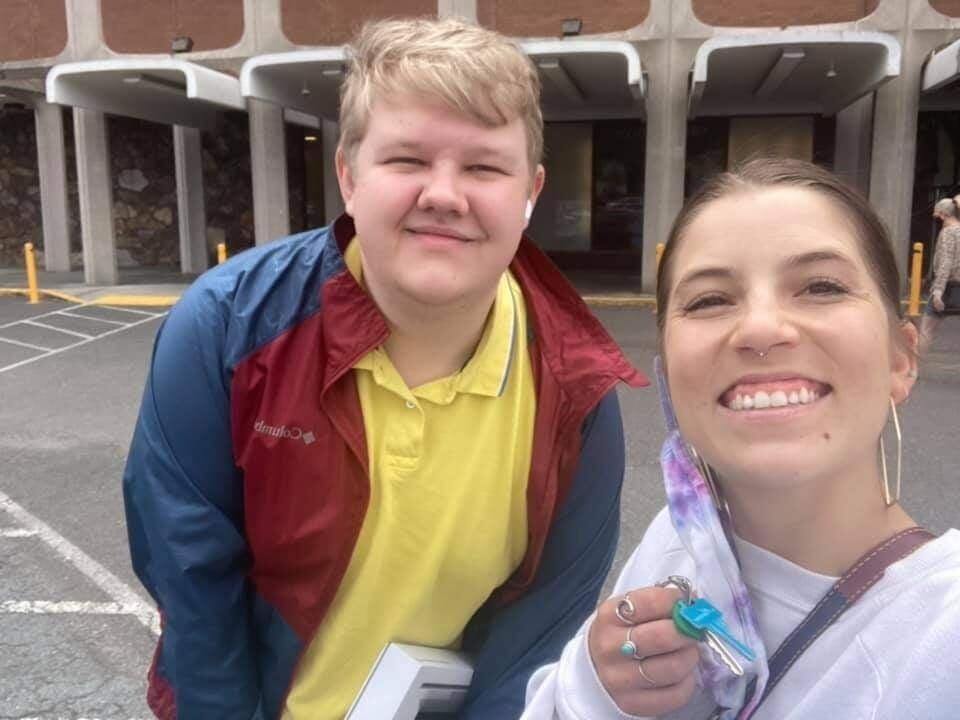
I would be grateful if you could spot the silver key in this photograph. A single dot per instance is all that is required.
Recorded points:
(723, 654)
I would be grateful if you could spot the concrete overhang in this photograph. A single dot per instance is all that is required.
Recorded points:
(582, 79)
(939, 87)
(163, 90)
(588, 79)
(306, 83)
(12, 95)
(791, 72)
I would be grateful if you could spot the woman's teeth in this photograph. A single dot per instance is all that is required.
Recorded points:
(761, 400)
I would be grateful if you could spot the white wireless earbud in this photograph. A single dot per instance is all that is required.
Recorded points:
(528, 212)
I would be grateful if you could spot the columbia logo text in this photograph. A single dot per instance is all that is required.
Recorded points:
(287, 433)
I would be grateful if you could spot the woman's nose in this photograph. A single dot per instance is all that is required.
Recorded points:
(764, 324)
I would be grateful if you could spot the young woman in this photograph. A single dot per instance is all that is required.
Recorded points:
(945, 269)
(784, 356)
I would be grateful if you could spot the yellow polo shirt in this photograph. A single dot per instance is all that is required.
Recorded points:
(447, 521)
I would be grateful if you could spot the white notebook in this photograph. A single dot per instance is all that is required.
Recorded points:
(410, 679)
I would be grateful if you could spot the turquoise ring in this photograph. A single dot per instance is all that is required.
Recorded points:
(629, 647)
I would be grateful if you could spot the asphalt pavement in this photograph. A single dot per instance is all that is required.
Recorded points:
(76, 629)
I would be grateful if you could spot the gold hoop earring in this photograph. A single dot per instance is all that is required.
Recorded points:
(889, 499)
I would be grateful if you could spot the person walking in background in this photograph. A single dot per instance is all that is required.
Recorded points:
(944, 271)
(402, 427)
(784, 356)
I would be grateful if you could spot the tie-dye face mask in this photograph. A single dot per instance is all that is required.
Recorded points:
(704, 531)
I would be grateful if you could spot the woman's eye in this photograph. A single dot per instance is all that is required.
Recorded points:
(825, 286)
(704, 302)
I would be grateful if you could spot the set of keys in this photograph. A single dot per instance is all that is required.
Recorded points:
(699, 619)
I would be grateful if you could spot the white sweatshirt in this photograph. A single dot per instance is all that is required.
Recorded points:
(894, 654)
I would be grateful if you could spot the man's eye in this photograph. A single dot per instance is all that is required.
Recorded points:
(485, 169)
(404, 161)
(704, 302)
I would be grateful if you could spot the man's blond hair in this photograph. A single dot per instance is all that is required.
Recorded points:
(474, 71)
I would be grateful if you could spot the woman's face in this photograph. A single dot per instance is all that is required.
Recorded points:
(779, 350)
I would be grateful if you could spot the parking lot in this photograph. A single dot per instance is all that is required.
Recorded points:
(76, 629)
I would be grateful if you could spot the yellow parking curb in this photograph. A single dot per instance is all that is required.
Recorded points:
(136, 300)
(49, 293)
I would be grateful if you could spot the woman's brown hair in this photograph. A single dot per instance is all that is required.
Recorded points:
(766, 173)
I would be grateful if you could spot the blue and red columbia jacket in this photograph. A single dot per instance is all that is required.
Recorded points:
(247, 479)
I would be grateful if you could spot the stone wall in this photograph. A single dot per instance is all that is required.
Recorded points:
(144, 188)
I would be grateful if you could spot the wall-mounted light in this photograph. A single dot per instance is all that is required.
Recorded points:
(779, 72)
(156, 83)
(332, 70)
(832, 72)
(571, 26)
(552, 68)
(181, 44)
(309, 138)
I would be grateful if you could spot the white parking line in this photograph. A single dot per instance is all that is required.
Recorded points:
(67, 313)
(57, 351)
(46, 607)
(17, 533)
(26, 345)
(121, 593)
(59, 329)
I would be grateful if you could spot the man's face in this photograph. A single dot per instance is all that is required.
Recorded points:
(438, 201)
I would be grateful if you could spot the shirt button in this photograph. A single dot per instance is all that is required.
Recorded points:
(410, 404)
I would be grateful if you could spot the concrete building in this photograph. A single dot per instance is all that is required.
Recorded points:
(643, 100)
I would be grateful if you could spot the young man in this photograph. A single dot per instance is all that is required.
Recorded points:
(402, 427)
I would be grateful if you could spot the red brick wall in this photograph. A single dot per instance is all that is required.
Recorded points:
(765, 13)
(32, 29)
(333, 22)
(149, 26)
(543, 17)
(947, 7)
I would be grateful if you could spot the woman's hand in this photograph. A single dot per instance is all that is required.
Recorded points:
(662, 678)
(937, 301)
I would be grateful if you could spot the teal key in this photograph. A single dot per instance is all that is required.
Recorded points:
(703, 616)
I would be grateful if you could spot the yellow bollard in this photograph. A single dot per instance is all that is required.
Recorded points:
(914, 308)
(32, 291)
(221, 253)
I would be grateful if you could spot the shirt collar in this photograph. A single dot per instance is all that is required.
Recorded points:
(488, 370)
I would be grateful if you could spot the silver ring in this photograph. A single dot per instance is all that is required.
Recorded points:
(625, 609)
(646, 677)
(763, 355)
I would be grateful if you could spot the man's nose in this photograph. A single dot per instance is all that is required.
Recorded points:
(443, 192)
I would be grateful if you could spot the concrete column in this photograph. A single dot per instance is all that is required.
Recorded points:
(667, 62)
(191, 210)
(851, 159)
(95, 183)
(464, 9)
(268, 164)
(52, 163)
(895, 143)
(332, 200)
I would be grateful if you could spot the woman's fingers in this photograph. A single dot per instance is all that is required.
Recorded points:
(652, 702)
(651, 638)
(647, 666)
(648, 604)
